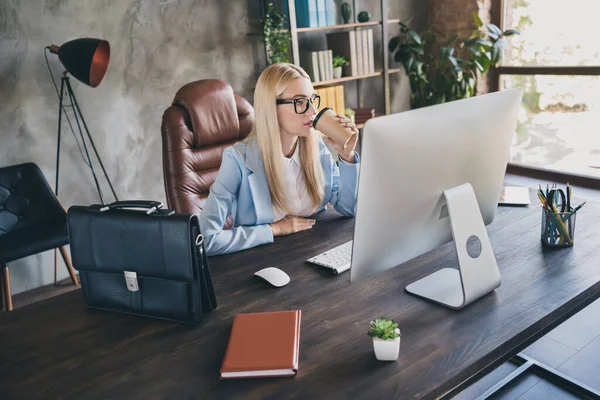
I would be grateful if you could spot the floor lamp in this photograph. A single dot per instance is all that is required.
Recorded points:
(87, 60)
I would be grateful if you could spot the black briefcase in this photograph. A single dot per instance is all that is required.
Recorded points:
(136, 257)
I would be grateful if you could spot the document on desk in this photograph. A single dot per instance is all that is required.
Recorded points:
(514, 196)
(263, 345)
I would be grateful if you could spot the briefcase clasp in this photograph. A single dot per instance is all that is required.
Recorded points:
(131, 281)
(199, 241)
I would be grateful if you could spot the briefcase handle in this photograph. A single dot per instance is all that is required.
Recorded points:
(151, 206)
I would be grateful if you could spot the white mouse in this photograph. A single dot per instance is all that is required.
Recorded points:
(274, 276)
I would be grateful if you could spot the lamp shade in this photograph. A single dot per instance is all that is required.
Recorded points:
(86, 59)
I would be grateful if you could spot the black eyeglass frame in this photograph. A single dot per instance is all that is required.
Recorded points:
(315, 98)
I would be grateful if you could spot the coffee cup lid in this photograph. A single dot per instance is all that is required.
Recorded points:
(319, 116)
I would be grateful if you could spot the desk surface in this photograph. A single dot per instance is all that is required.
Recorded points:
(59, 349)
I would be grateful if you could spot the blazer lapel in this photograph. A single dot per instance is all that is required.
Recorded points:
(259, 186)
(326, 164)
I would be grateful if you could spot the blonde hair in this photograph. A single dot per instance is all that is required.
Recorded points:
(273, 81)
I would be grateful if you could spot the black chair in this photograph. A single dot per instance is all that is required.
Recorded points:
(32, 220)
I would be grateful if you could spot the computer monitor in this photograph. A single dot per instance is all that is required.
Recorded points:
(410, 158)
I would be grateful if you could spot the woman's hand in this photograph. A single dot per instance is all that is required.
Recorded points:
(291, 224)
(346, 154)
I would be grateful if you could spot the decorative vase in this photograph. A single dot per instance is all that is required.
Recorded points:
(346, 12)
(337, 72)
(363, 16)
(386, 350)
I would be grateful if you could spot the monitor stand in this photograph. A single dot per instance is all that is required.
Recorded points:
(477, 274)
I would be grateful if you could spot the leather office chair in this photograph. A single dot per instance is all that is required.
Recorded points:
(204, 118)
(32, 220)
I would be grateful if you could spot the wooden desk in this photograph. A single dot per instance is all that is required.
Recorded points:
(59, 349)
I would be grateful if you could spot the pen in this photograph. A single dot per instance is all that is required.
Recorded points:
(568, 197)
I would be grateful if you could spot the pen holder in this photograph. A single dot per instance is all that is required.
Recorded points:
(558, 229)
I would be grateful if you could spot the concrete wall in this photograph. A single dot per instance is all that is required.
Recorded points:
(156, 47)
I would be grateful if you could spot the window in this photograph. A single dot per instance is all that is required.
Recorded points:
(556, 60)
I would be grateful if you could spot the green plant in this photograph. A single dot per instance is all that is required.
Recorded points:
(339, 61)
(384, 328)
(438, 74)
(276, 38)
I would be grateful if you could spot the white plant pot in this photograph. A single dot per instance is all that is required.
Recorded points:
(386, 350)
(337, 72)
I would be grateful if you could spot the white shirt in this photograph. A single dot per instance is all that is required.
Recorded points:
(296, 194)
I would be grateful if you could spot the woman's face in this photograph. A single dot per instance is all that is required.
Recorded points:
(290, 121)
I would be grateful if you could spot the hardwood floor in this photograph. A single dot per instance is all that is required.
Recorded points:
(42, 293)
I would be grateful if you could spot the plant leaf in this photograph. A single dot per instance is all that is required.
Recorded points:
(470, 41)
(453, 61)
(495, 54)
(485, 61)
(445, 52)
(483, 42)
(401, 57)
(477, 19)
(493, 35)
(419, 67)
(415, 36)
(394, 42)
(511, 32)
(494, 29)
(452, 39)
(408, 65)
(478, 65)
(417, 49)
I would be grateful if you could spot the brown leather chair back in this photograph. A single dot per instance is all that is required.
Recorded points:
(205, 118)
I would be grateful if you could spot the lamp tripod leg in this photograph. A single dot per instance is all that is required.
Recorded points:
(76, 108)
(60, 112)
(71, 96)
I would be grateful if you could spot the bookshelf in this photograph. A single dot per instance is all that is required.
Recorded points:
(383, 57)
(352, 78)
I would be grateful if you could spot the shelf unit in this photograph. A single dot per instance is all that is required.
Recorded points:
(384, 56)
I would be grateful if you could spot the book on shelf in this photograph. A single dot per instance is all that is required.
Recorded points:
(310, 63)
(263, 345)
(313, 13)
(325, 62)
(359, 53)
(306, 13)
(361, 115)
(321, 13)
(321, 57)
(333, 97)
(371, 54)
(329, 64)
(331, 12)
(340, 104)
(344, 44)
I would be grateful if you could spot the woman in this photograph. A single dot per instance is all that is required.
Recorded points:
(282, 173)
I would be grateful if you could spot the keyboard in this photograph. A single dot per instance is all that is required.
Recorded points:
(338, 259)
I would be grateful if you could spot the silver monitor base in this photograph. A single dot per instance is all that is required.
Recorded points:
(478, 272)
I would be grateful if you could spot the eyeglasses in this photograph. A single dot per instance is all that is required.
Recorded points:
(302, 104)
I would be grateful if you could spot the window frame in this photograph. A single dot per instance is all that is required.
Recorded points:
(495, 74)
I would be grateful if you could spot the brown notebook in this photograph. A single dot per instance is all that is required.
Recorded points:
(263, 345)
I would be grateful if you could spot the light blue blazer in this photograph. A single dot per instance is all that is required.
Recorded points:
(241, 189)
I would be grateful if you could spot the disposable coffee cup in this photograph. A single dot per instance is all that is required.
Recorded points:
(328, 123)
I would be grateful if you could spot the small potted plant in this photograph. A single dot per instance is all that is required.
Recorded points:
(338, 63)
(386, 339)
(348, 112)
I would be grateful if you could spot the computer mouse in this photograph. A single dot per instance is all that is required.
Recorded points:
(274, 276)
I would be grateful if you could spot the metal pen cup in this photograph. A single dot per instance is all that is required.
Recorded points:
(558, 229)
